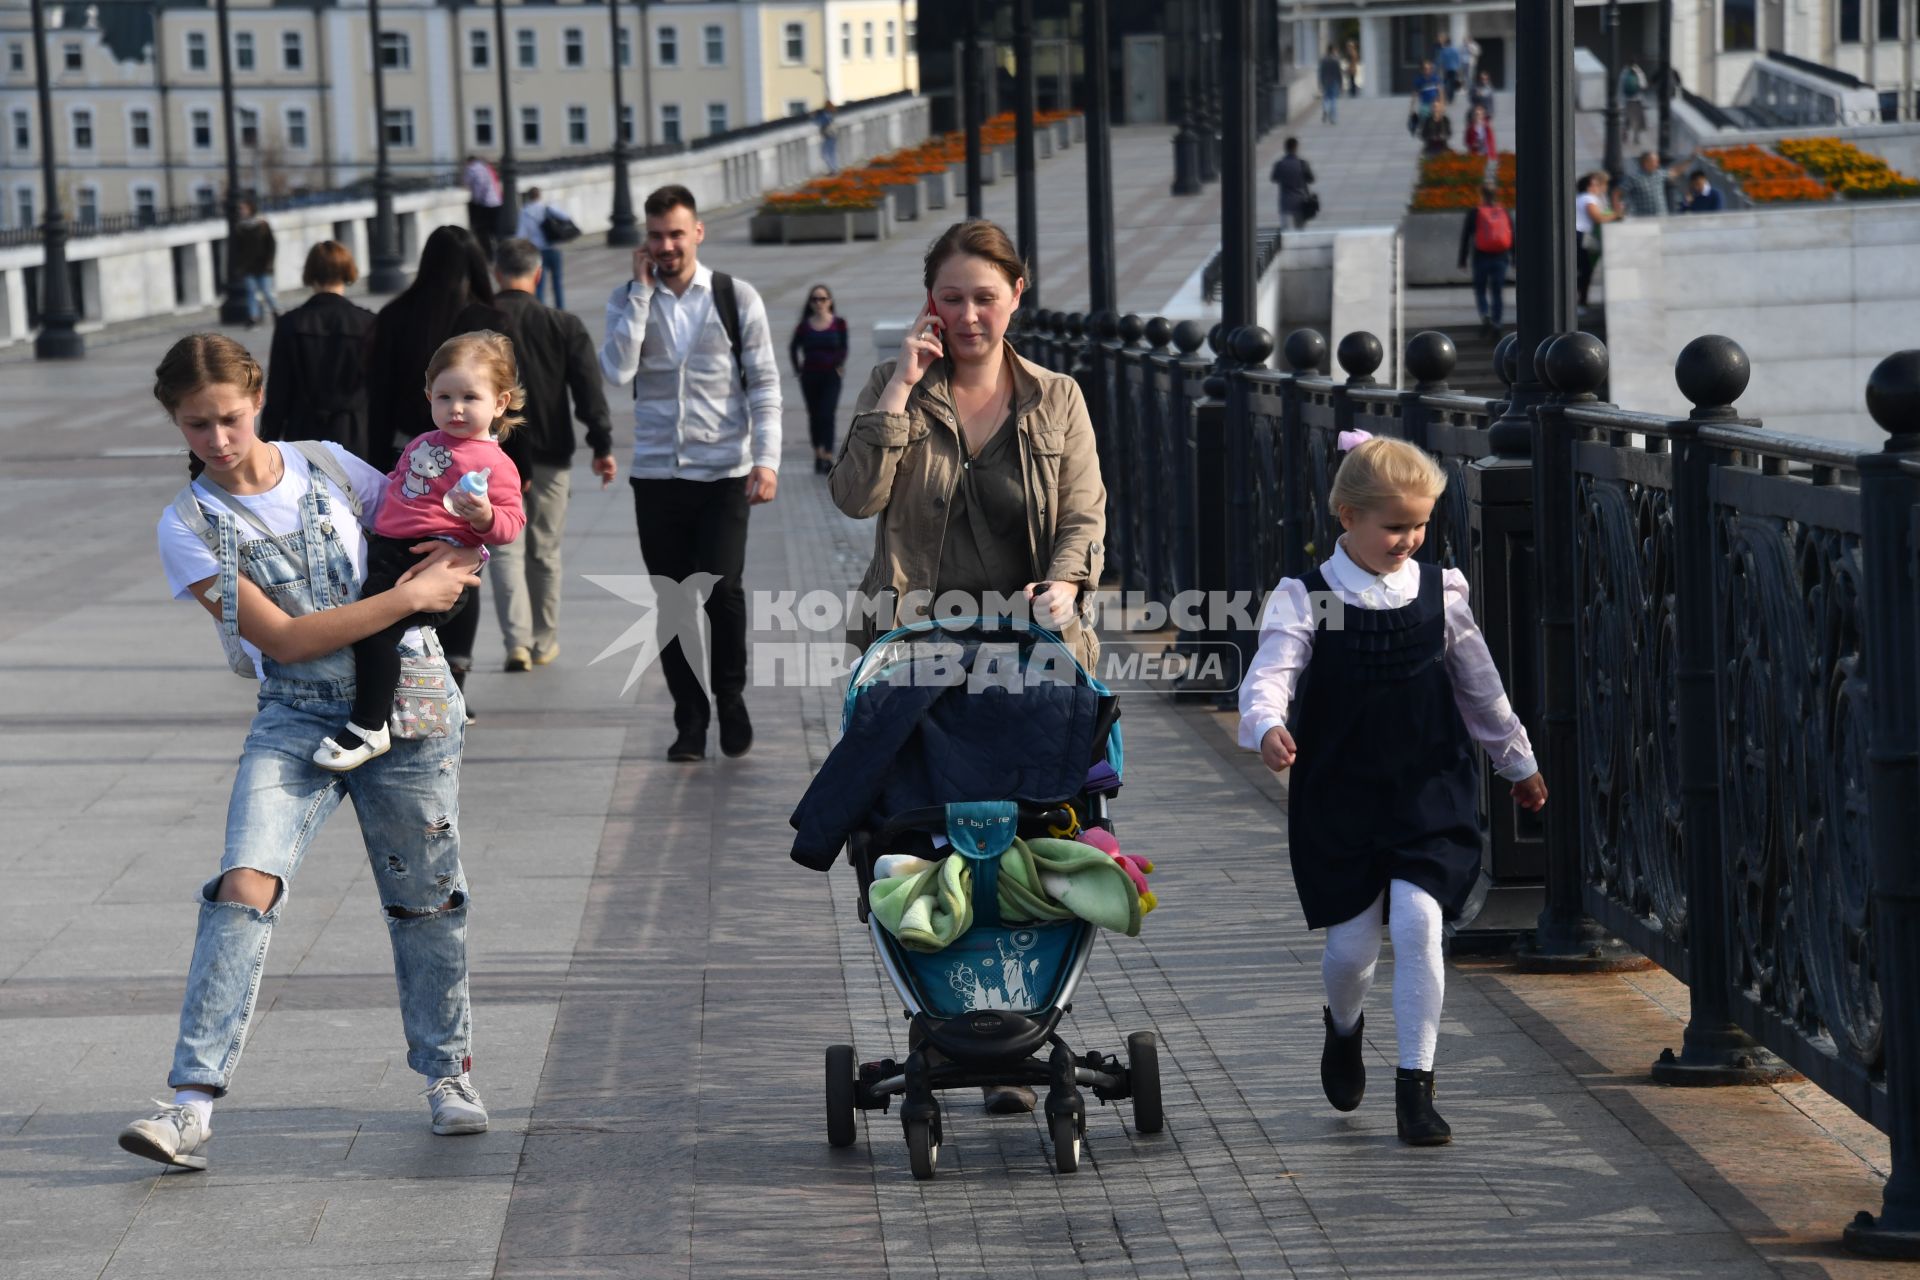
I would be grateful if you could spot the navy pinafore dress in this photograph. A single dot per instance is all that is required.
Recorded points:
(1386, 783)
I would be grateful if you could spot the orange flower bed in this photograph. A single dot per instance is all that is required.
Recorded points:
(865, 187)
(1786, 190)
(1452, 180)
(1442, 199)
(1750, 162)
(1855, 174)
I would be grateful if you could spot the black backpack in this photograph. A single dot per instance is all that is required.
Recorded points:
(726, 303)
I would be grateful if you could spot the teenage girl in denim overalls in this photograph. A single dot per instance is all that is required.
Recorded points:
(291, 598)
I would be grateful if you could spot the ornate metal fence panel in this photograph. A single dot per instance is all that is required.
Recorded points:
(1454, 430)
(1171, 410)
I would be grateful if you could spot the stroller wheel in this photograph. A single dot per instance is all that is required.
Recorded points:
(1143, 1077)
(1065, 1131)
(840, 1095)
(923, 1148)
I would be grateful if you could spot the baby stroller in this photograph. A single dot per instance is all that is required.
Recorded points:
(986, 1009)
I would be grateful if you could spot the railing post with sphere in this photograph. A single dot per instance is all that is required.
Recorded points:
(1712, 372)
(1566, 939)
(1306, 353)
(1359, 353)
(1430, 357)
(1227, 473)
(1890, 510)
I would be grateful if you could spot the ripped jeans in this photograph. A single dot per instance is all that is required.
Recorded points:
(407, 802)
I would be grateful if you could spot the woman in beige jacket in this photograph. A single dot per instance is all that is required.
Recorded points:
(979, 463)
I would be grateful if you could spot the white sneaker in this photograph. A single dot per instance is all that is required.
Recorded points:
(456, 1107)
(373, 742)
(173, 1135)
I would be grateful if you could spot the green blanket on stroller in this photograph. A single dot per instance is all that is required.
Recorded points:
(1039, 880)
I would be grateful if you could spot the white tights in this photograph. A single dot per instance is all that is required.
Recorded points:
(1419, 981)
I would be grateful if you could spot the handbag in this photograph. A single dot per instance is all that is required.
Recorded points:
(1310, 207)
(558, 228)
(423, 696)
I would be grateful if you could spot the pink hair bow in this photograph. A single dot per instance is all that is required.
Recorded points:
(1347, 441)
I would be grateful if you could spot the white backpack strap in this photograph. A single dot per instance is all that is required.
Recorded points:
(327, 463)
(222, 539)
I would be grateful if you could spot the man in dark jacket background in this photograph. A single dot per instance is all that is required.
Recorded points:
(250, 256)
(557, 364)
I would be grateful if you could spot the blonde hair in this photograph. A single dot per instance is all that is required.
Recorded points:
(492, 354)
(1379, 470)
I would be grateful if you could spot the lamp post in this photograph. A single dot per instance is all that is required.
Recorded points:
(643, 53)
(1186, 143)
(1610, 19)
(1101, 289)
(386, 275)
(1209, 92)
(970, 78)
(233, 304)
(1027, 199)
(509, 175)
(57, 339)
(625, 228)
(1239, 46)
(1665, 90)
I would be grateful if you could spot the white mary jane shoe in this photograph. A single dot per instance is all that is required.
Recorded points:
(373, 742)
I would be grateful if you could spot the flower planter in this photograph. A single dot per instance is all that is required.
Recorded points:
(1062, 134)
(1043, 144)
(1432, 248)
(869, 224)
(823, 226)
(1078, 124)
(934, 189)
(766, 228)
(905, 198)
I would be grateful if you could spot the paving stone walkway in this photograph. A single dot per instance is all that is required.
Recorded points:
(654, 981)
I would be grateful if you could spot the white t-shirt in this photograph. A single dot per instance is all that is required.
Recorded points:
(1583, 206)
(187, 560)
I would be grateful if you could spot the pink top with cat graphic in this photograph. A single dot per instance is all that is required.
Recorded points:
(432, 464)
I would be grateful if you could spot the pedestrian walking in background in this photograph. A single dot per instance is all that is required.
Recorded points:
(267, 539)
(1382, 819)
(547, 227)
(1472, 60)
(1590, 212)
(1436, 132)
(484, 199)
(1481, 94)
(1478, 138)
(451, 293)
(1633, 96)
(561, 375)
(1447, 57)
(1332, 79)
(818, 350)
(1488, 237)
(1294, 177)
(250, 255)
(1355, 72)
(1646, 190)
(1426, 100)
(317, 374)
(1701, 196)
(706, 447)
(829, 140)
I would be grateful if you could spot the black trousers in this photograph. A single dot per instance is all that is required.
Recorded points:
(690, 527)
(822, 390)
(376, 659)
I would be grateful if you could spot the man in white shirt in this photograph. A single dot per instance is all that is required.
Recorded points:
(533, 227)
(706, 446)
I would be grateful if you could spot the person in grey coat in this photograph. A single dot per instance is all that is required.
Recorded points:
(1294, 177)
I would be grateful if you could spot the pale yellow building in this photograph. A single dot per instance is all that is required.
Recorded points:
(136, 89)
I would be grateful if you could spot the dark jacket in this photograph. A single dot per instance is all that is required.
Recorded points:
(397, 355)
(919, 742)
(1294, 177)
(250, 251)
(317, 376)
(557, 363)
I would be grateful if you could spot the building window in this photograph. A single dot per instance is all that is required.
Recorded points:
(146, 204)
(713, 41)
(913, 34)
(16, 56)
(479, 49)
(866, 40)
(797, 109)
(399, 125)
(530, 126)
(86, 206)
(205, 200)
(243, 51)
(297, 128)
(196, 51)
(846, 39)
(626, 123)
(576, 126)
(573, 47)
(200, 122)
(527, 44)
(1849, 21)
(23, 206)
(483, 126)
(82, 129)
(75, 59)
(396, 51)
(670, 123)
(796, 44)
(293, 54)
(1889, 19)
(716, 117)
(892, 40)
(247, 124)
(1737, 24)
(22, 130)
(623, 46)
(140, 129)
(669, 42)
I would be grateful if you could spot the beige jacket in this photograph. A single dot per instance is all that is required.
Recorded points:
(903, 468)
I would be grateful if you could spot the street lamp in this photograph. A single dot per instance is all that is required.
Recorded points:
(386, 276)
(1102, 292)
(1665, 93)
(1186, 143)
(1210, 113)
(1610, 19)
(624, 229)
(1027, 196)
(233, 306)
(57, 339)
(509, 176)
(970, 76)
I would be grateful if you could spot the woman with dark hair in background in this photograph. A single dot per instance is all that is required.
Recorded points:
(451, 293)
(819, 354)
(317, 376)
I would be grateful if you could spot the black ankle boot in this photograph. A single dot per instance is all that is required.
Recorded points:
(1343, 1068)
(1420, 1125)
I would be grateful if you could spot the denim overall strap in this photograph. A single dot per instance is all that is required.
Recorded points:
(316, 527)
